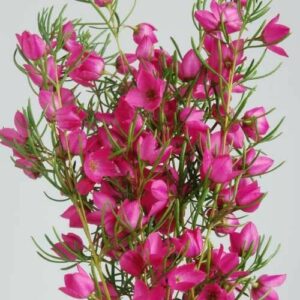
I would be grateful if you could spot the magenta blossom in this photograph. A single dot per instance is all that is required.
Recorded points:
(264, 287)
(255, 123)
(155, 197)
(148, 93)
(212, 291)
(129, 214)
(144, 30)
(142, 292)
(219, 169)
(226, 13)
(98, 165)
(73, 142)
(274, 33)
(70, 117)
(248, 196)
(19, 135)
(190, 244)
(190, 66)
(70, 246)
(89, 69)
(154, 250)
(185, 277)
(132, 262)
(149, 150)
(78, 285)
(145, 49)
(51, 102)
(32, 45)
(245, 241)
(256, 164)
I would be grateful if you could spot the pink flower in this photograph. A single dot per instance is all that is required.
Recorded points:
(190, 66)
(255, 123)
(185, 277)
(274, 33)
(148, 93)
(132, 262)
(144, 30)
(89, 69)
(245, 241)
(71, 214)
(125, 115)
(123, 63)
(69, 35)
(264, 287)
(190, 244)
(72, 244)
(212, 291)
(129, 213)
(219, 169)
(248, 196)
(84, 186)
(154, 250)
(28, 167)
(98, 165)
(257, 164)
(51, 102)
(145, 49)
(142, 292)
(103, 3)
(104, 201)
(155, 197)
(78, 285)
(224, 262)
(73, 141)
(21, 124)
(11, 136)
(32, 45)
(149, 150)
(226, 13)
(54, 73)
(70, 117)
(228, 224)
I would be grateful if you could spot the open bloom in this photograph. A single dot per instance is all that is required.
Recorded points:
(185, 277)
(148, 93)
(32, 45)
(264, 287)
(98, 165)
(274, 33)
(78, 285)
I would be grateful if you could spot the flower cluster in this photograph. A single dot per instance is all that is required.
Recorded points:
(157, 153)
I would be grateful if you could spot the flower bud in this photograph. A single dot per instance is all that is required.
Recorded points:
(32, 45)
(103, 3)
(245, 241)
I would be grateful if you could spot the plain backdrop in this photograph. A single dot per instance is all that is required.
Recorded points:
(26, 212)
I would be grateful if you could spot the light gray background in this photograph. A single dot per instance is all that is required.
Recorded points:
(24, 209)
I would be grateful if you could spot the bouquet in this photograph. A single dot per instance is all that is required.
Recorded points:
(157, 155)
